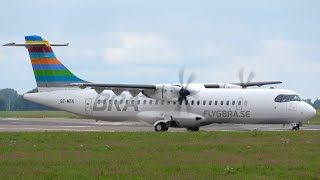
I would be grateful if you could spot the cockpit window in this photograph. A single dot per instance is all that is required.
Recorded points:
(294, 98)
(287, 98)
(278, 98)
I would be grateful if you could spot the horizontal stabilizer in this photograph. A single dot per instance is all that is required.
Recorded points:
(35, 44)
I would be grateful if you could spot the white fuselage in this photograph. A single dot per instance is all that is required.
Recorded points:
(244, 106)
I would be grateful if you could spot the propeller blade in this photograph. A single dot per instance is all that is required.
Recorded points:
(251, 76)
(181, 75)
(240, 75)
(184, 92)
(185, 99)
(192, 77)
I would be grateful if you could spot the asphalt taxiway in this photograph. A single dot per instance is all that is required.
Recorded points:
(63, 124)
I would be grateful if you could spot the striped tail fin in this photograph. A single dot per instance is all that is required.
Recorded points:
(49, 72)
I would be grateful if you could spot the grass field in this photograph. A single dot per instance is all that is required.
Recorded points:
(123, 155)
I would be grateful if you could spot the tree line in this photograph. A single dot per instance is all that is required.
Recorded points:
(10, 100)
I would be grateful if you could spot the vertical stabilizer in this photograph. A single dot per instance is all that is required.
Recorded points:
(49, 72)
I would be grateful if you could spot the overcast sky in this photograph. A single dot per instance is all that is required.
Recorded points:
(143, 41)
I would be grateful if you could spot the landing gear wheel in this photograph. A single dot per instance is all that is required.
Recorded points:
(158, 127)
(193, 129)
(161, 127)
(296, 127)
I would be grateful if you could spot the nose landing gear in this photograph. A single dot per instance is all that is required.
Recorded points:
(296, 126)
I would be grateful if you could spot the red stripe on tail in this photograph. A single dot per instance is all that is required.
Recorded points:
(40, 49)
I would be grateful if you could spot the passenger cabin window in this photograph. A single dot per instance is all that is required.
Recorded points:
(127, 102)
(144, 101)
(121, 101)
(157, 101)
(287, 98)
(221, 103)
(233, 103)
(216, 103)
(132, 102)
(186, 102)
(245, 103)
(110, 101)
(192, 102)
(198, 102)
(210, 102)
(227, 103)
(115, 101)
(168, 102)
(204, 102)
(150, 102)
(239, 103)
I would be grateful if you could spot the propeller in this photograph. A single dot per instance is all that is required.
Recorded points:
(184, 92)
(251, 76)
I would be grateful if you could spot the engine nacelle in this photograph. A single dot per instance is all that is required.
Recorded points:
(167, 92)
(163, 92)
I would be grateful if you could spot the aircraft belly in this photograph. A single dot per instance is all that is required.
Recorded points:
(115, 116)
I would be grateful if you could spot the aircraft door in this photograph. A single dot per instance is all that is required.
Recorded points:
(239, 103)
(88, 107)
(166, 92)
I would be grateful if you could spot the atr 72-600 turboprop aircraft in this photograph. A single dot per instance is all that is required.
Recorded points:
(181, 105)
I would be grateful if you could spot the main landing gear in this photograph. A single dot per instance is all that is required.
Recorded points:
(164, 126)
(161, 126)
(296, 126)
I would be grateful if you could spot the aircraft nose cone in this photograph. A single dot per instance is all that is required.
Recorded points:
(311, 112)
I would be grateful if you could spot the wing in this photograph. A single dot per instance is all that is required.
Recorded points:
(134, 89)
(259, 84)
